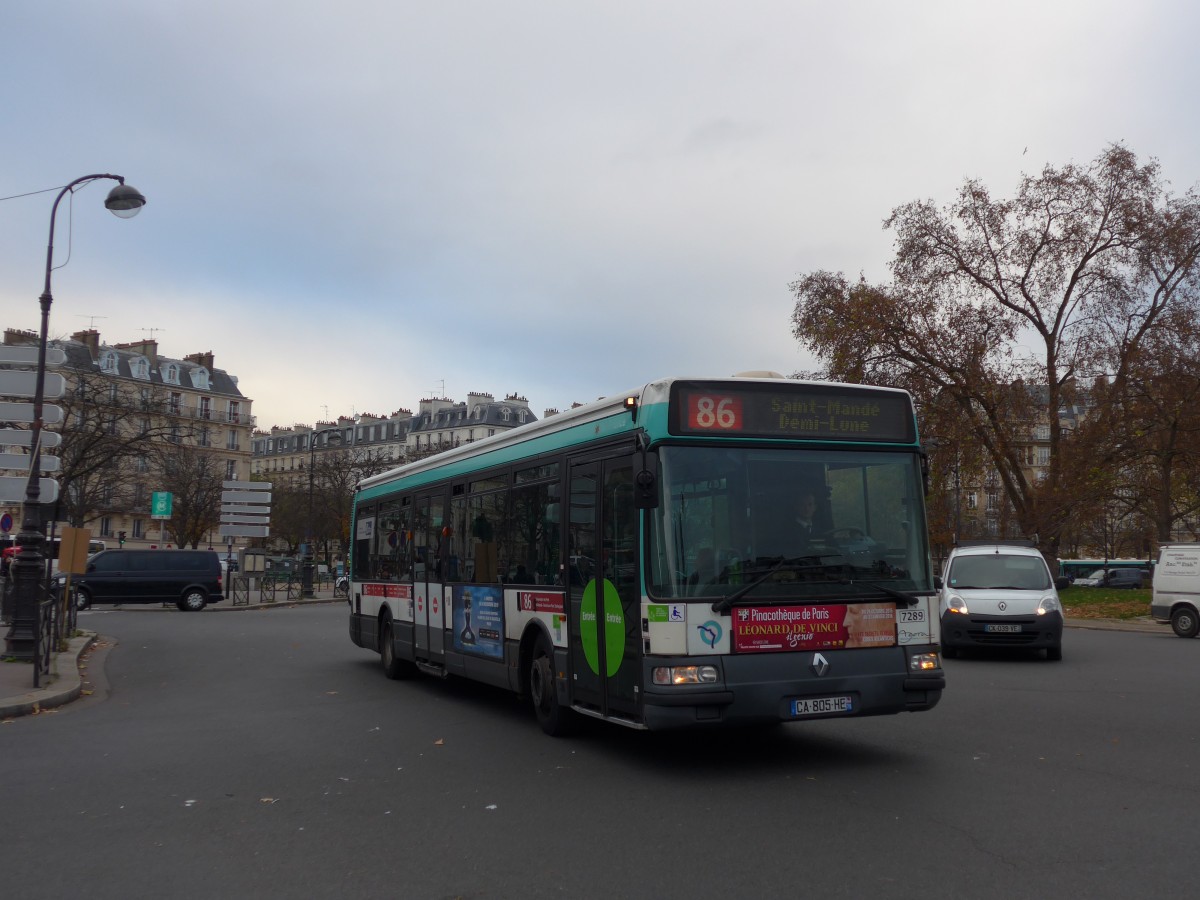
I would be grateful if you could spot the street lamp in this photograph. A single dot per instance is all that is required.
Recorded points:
(333, 438)
(124, 201)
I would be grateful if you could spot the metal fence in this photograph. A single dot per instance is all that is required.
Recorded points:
(53, 626)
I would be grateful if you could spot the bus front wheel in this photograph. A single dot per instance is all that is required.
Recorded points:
(551, 715)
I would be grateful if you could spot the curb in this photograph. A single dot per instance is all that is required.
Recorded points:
(63, 688)
(1142, 625)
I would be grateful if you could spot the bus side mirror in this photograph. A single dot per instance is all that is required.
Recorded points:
(645, 482)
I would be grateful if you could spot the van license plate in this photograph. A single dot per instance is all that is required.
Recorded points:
(821, 706)
(1002, 629)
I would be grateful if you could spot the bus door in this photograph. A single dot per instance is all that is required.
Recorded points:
(602, 587)
(430, 551)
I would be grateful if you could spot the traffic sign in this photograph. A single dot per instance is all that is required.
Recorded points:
(12, 489)
(23, 412)
(23, 437)
(245, 509)
(27, 355)
(161, 503)
(6, 523)
(14, 383)
(20, 462)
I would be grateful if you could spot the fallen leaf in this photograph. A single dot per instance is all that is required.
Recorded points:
(267, 799)
(439, 742)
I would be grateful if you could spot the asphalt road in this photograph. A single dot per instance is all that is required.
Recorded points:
(261, 754)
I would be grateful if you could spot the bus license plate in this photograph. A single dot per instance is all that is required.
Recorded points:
(821, 706)
(1002, 629)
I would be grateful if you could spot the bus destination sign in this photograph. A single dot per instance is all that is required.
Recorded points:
(810, 411)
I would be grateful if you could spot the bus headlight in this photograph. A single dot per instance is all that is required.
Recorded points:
(685, 675)
(923, 662)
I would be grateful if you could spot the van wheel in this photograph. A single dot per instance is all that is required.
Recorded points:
(1184, 622)
(193, 600)
(82, 599)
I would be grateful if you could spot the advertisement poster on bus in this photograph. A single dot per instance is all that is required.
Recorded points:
(775, 629)
(479, 621)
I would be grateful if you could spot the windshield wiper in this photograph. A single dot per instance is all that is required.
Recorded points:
(901, 598)
(723, 605)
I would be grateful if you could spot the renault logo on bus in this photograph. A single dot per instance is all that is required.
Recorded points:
(820, 665)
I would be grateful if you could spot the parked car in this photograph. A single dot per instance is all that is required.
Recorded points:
(1176, 594)
(1126, 578)
(1116, 578)
(191, 579)
(1000, 595)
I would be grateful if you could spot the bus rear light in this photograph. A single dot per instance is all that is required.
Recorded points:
(923, 662)
(685, 675)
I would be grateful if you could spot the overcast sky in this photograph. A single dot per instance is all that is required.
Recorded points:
(359, 204)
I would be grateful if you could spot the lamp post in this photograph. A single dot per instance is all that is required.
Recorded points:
(332, 438)
(125, 202)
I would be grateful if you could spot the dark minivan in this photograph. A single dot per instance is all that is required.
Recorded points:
(191, 579)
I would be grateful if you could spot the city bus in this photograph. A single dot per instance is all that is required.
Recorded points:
(637, 559)
(1093, 568)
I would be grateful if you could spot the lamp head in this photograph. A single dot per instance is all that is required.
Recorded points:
(125, 201)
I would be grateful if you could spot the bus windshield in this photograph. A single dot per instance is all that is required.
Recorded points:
(824, 523)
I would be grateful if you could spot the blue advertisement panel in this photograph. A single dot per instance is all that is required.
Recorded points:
(479, 621)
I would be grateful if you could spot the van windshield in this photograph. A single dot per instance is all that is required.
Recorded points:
(998, 571)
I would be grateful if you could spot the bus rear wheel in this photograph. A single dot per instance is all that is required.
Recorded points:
(555, 719)
(393, 667)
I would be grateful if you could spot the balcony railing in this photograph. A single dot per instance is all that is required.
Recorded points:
(192, 411)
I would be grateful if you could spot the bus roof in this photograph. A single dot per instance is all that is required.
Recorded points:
(607, 416)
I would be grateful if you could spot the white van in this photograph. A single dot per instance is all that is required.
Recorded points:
(1176, 594)
(1000, 594)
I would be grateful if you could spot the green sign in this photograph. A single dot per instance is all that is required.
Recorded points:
(160, 504)
(608, 604)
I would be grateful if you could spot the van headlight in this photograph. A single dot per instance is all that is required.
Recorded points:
(956, 604)
(1049, 604)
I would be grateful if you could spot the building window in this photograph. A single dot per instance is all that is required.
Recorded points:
(1043, 456)
(972, 500)
(174, 403)
(235, 411)
(108, 362)
(231, 440)
(231, 470)
(140, 367)
(202, 439)
(505, 413)
(170, 373)
(105, 527)
(137, 528)
(206, 407)
(200, 378)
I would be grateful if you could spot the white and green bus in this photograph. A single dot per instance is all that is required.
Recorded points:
(640, 559)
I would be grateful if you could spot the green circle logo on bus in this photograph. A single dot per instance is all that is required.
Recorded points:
(614, 631)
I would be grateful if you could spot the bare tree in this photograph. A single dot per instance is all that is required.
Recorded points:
(108, 436)
(193, 476)
(1076, 251)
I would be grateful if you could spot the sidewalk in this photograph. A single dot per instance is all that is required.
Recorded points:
(18, 697)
